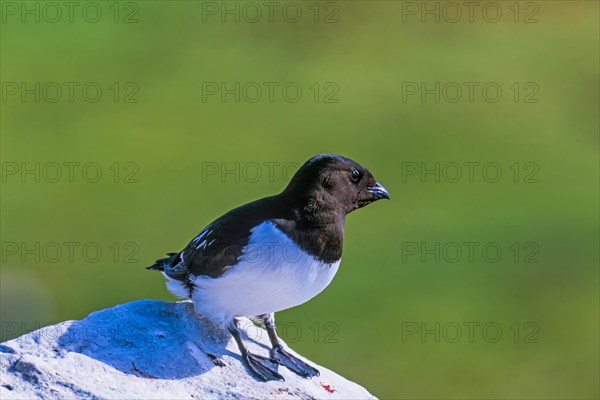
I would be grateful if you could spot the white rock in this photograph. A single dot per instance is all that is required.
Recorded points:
(149, 350)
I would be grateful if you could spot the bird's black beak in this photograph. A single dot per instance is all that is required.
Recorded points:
(379, 191)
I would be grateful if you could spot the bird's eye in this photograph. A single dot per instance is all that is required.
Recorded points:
(355, 175)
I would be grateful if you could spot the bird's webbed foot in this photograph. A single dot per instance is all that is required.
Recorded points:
(282, 357)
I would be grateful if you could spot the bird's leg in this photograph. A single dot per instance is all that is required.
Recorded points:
(280, 356)
(258, 365)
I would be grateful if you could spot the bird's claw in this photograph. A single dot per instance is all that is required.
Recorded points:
(260, 368)
(282, 357)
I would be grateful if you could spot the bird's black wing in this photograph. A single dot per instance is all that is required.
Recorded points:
(220, 245)
(217, 248)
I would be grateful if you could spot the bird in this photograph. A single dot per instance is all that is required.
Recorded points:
(272, 254)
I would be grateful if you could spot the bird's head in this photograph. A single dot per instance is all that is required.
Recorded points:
(333, 181)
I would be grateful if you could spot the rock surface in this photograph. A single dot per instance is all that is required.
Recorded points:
(149, 350)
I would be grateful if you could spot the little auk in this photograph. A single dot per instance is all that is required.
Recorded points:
(272, 254)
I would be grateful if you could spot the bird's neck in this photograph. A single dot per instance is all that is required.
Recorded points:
(318, 229)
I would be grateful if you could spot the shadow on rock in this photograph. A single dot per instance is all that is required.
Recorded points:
(150, 339)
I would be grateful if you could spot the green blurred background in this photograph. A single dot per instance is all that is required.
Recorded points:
(172, 135)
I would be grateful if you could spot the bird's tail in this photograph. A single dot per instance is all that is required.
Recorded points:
(159, 265)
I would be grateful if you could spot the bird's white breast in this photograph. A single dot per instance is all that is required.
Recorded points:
(273, 274)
